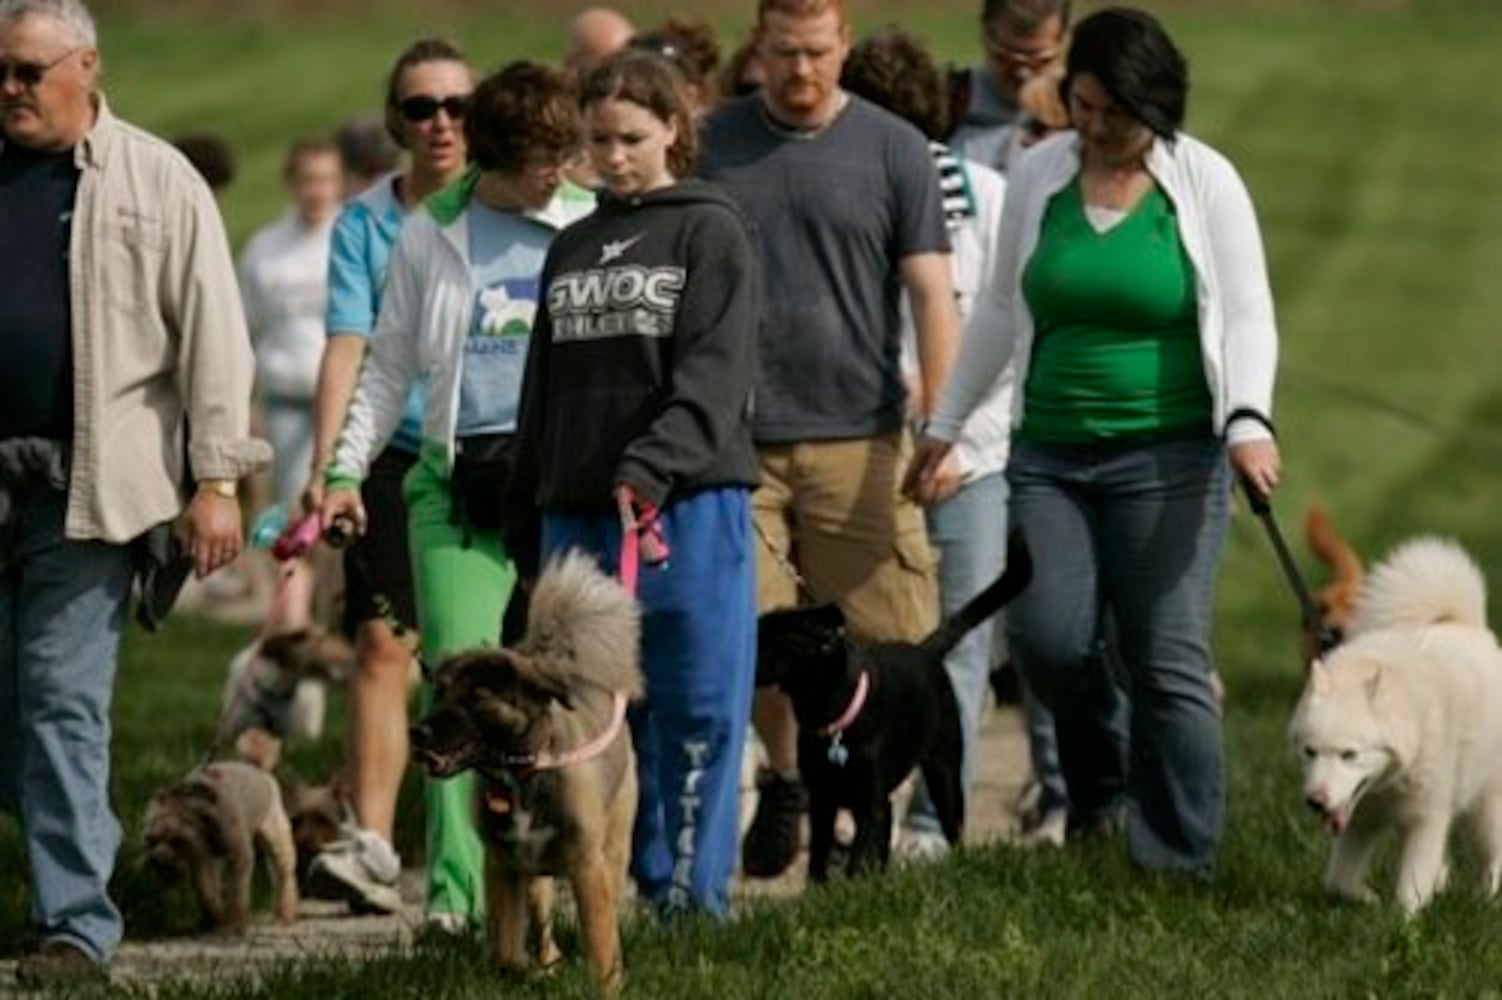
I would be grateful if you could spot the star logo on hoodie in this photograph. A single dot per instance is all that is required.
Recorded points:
(615, 249)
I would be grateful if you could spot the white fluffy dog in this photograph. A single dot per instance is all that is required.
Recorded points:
(1401, 727)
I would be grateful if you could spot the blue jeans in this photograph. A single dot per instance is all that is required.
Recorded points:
(699, 657)
(62, 608)
(970, 532)
(1138, 528)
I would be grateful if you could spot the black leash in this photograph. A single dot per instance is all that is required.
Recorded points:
(1325, 637)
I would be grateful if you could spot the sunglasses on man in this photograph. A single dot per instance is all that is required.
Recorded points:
(421, 108)
(29, 74)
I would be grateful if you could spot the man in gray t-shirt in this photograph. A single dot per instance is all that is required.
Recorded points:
(845, 203)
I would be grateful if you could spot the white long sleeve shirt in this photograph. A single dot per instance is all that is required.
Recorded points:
(1238, 333)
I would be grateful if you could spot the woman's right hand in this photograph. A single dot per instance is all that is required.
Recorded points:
(342, 504)
(923, 482)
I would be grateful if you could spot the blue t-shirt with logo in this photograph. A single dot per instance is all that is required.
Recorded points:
(359, 251)
(506, 254)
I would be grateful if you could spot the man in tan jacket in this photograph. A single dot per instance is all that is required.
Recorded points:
(127, 376)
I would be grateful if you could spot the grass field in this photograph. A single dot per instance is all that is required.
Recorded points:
(1371, 137)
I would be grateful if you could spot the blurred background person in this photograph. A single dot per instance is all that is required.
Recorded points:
(1134, 297)
(1021, 39)
(690, 46)
(743, 72)
(426, 99)
(967, 524)
(211, 156)
(367, 152)
(593, 34)
(284, 285)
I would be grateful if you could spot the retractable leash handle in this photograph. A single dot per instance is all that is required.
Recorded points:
(1314, 622)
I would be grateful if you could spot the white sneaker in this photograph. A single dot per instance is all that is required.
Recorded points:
(921, 845)
(450, 924)
(360, 868)
(1046, 830)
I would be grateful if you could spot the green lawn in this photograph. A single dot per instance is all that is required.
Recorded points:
(1371, 137)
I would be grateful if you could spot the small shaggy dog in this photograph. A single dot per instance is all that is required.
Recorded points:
(543, 725)
(1400, 729)
(208, 826)
(276, 691)
(868, 713)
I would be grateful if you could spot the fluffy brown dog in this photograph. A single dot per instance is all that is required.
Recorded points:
(1337, 598)
(209, 825)
(543, 724)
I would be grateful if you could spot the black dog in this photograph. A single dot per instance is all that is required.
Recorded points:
(868, 713)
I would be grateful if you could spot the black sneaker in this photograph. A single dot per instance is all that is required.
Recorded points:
(771, 843)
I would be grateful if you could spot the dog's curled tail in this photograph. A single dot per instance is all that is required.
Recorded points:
(1424, 581)
(584, 624)
(1018, 574)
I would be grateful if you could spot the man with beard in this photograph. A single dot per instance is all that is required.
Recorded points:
(846, 203)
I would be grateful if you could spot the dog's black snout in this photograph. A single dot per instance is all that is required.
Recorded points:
(420, 736)
(1317, 802)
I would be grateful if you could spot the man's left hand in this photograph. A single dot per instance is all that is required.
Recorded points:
(212, 527)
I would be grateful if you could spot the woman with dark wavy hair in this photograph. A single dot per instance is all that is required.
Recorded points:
(1133, 293)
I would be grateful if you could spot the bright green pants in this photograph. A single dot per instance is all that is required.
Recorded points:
(464, 579)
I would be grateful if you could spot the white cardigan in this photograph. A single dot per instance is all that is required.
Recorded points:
(1238, 335)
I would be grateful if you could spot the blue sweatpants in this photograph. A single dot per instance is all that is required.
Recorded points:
(699, 657)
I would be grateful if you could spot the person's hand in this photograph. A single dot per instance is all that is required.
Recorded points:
(342, 504)
(947, 479)
(924, 473)
(1258, 465)
(212, 531)
(312, 492)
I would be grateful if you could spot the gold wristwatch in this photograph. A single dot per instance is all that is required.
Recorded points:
(227, 488)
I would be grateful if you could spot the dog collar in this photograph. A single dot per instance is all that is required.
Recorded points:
(852, 710)
(545, 761)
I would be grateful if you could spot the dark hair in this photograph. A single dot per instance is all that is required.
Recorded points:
(365, 148)
(314, 145)
(1128, 51)
(424, 51)
(210, 156)
(651, 82)
(733, 77)
(523, 109)
(689, 45)
(893, 69)
(1028, 15)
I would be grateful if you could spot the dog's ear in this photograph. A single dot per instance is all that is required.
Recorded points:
(543, 684)
(1319, 677)
(280, 646)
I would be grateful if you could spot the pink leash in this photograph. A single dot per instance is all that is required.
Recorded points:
(641, 539)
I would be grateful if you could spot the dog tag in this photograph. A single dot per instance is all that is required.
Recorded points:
(837, 752)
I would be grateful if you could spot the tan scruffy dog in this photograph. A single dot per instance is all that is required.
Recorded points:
(543, 725)
(209, 825)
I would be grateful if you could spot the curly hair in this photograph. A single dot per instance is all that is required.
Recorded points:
(522, 111)
(689, 45)
(892, 69)
(651, 82)
(423, 51)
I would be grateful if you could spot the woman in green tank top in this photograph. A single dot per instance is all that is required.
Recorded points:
(1137, 305)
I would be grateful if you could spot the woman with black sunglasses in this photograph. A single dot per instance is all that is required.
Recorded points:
(426, 94)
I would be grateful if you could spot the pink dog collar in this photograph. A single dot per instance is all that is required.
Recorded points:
(545, 761)
(852, 710)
